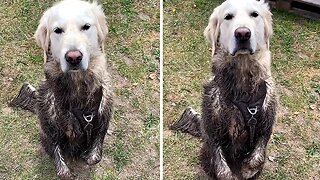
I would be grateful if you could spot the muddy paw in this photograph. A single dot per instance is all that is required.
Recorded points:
(250, 168)
(66, 174)
(225, 174)
(93, 158)
(248, 173)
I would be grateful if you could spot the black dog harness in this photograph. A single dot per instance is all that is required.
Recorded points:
(86, 118)
(251, 107)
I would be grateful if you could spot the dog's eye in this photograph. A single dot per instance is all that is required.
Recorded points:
(85, 27)
(228, 17)
(254, 14)
(58, 30)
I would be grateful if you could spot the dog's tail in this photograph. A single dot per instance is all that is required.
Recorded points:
(189, 122)
(26, 98)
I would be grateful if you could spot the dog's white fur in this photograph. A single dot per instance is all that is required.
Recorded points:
(260, 26)
(71, 21)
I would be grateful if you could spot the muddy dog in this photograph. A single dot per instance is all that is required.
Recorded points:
(239, 101)
(74, 102)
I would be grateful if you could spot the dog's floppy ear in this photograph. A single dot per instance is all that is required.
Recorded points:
(267, 24)
(102, 26)
(212, 30)
(42, 34)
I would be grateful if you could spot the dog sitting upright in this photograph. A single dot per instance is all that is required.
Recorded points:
(74, 102)
(239, 101)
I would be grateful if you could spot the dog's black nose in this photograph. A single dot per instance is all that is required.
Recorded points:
(242, 33)
(73, 57)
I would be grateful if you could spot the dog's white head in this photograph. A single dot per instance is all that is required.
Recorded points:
(240, 26)
(73, 31)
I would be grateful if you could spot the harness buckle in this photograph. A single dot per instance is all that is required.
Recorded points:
(88, 117)
(252, 111)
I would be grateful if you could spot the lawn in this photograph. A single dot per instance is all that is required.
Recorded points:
(294, 149)
(132, 52)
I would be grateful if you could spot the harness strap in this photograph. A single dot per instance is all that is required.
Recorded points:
(252, 123)
(250, 108)
(85, 116)
(88, 127)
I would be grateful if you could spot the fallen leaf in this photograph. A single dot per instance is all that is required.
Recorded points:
(167, 133)
(109, 132)
(6, 110)
(144, 17)
(271, 158)
(153, 76)
(313, 106)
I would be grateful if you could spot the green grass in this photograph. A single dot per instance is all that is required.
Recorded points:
(132, 50)
(295, 49)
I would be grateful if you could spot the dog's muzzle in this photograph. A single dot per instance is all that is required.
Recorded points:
(73, 57)
(243, 45)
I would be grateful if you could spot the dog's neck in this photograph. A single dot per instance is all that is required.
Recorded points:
(75, 89)
(240, 75)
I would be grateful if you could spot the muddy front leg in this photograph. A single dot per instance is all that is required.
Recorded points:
(222, 168)
(214, 163)
(252, 165)
(94, 155)
(62, 169)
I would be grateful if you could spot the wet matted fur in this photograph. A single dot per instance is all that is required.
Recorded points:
(74, 102)
(239, 102)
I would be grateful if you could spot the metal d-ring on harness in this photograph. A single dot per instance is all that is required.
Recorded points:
(252, 122)
(88, 118)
